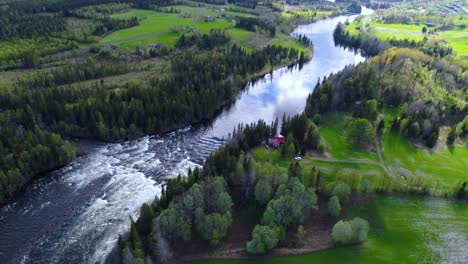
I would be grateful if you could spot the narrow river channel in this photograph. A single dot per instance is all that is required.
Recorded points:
(74, 215)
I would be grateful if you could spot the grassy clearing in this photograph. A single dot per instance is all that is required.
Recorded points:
(240, 37)
(399, 31)
(447, 168)
(457, 37)
(168, 39)
(333, 131)
(286, 41)
(206, 27)
(153, 22)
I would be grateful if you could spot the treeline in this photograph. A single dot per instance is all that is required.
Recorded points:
(372, 45)
(78, 71)
(304, 40)
(252, 23)
(110, 24)
(101, 13)
(98, 11)
(26, 151)
(203, 41)
(37, 6)
(430, 91)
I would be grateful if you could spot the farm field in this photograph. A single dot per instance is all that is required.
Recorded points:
(155, 26)
(456, 37)
(165, 28)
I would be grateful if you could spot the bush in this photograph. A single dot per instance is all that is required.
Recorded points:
(342, 191)
(342, 232)
(334, 207)
(263, 239)
(354, 231)
(360, 228)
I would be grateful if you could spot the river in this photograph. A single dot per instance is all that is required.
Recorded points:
(74, 215)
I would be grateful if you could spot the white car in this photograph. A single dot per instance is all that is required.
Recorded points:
(298, 158)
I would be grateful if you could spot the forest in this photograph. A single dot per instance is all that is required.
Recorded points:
(432, 98)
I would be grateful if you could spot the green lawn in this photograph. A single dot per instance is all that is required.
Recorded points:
(448, 168)
(153, 22)
(399, 31)
(333, 131)
(206, 27)
(168, 39)
(240, 36)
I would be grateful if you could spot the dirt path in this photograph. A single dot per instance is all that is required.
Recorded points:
(379, 149)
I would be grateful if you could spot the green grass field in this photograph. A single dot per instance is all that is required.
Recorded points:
(402, 230)
(448, 168)
(153, 22)
(399, 31)
(457, 37)
(164, 28)
(333, 131)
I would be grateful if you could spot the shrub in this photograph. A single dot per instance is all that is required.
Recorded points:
(342, 191)
(263, 239)
(360, 228)
(347, 232)
(342, 232)
(334, 207)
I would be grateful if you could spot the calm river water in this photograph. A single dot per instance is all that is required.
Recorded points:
(74, 215)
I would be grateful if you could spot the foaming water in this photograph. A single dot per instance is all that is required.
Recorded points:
(74, 215)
